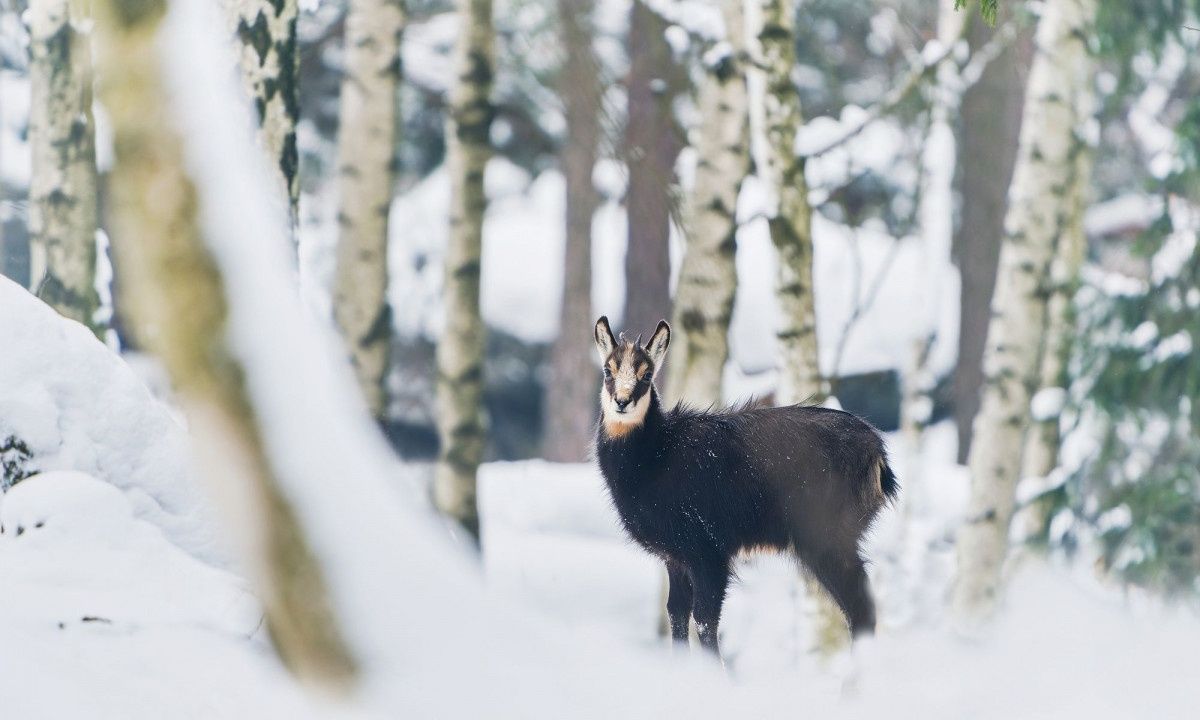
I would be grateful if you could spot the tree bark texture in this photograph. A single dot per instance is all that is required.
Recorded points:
(652, 143)
(174, 293)
(708, 276)
(570, 411)
(1041, 210)
(990, 124)
(459, 388)
(366, 171)
(270, 68)
(62, 188)
(791, 223)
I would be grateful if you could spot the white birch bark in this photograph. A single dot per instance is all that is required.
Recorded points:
(1039, 215)
(1044, 439)
(460, 349)
(708, 276)
(269, 66)
(366, 171)
(791, 220)
(62, 187)
(171, 284)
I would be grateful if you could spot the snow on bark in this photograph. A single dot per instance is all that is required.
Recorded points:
(570, 398)
(460, 349)
(174, 293)
(708, 276)
(366, 170)
(269, 65)
(791, 222)
(1044, 210)
(62, 187)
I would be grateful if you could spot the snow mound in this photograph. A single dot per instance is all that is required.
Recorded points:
(74, 405)
(103, 617)
(77, 535)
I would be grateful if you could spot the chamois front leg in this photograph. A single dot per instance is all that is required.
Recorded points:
(710, 584)
(679, 601)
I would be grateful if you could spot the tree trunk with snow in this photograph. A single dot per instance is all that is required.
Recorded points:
(1042, 206)
(652, 144)
(791, 220)
(990, 124)
(269, 66)
(170, 284)
(708, 276)
(570, 399)
(366, 171)
(62, 187)
(1044, 438)
(460, 349)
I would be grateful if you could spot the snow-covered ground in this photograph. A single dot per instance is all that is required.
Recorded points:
(105, 613)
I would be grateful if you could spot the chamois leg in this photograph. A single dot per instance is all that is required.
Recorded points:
(845, 577)
(710, 583)
(679, 601)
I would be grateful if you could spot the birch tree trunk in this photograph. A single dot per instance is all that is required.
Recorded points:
(791, 232)
(791, 221)
(652, 144)
(1044, 438)
(460, 349)
(570, 400)
(366, 171)
(1042, 206)
(708, 276)
(62, 187)
(171, 285)
(269, 68)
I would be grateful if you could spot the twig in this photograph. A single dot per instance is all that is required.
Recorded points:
(887, 104)
(862, 305)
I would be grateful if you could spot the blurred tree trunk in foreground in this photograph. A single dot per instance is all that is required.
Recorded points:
(570, 396)
(269, 66)
(172, 286)
(460, 349)
(62, 187)
(990, 125)
(366, 170)
(708, 276)
(652, 143)
(1044, 203)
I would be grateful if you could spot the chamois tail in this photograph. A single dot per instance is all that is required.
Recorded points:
(887, 480)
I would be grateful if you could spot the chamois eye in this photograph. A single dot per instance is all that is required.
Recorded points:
(645, 379)
(607, 372)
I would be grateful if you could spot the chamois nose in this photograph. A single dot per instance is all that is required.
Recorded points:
(621, 404)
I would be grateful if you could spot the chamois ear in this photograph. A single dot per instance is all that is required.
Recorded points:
(656, 346)
(605, 342)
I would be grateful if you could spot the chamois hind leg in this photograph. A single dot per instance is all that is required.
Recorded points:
(679, 601)
(844, 576)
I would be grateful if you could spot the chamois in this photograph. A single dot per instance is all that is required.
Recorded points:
(696, 487)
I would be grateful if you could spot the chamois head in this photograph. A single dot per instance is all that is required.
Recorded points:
(629, 370)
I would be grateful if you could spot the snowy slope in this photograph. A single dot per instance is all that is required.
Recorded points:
(77, 406)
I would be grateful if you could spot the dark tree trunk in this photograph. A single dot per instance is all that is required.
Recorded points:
(571, 394)
(652, 141)
(991, 122)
